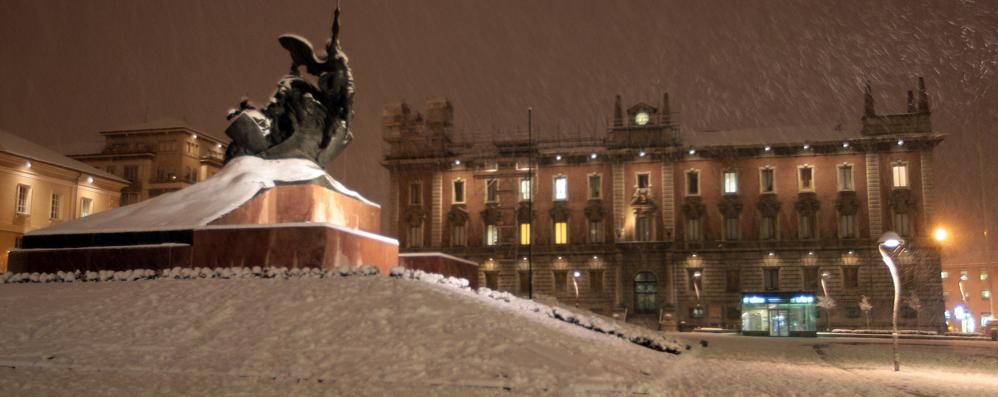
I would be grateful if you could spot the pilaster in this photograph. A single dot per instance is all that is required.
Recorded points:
(873, 194)
(436, 212)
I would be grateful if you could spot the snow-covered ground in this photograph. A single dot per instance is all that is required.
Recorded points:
(389, 336)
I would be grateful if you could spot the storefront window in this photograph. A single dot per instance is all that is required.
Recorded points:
(779, 314)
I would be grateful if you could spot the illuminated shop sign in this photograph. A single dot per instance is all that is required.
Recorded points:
(760, 299)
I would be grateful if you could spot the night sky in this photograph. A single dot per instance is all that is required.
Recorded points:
(71, 68)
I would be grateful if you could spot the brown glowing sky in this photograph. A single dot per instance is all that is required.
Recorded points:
(71, 68)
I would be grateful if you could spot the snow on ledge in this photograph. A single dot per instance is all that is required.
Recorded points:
(199, 204)
(435, 254)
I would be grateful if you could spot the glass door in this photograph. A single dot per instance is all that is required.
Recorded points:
(778, 322)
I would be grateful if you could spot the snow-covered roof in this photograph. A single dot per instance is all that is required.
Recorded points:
(199, 204)
(159, 125)
(18, 146)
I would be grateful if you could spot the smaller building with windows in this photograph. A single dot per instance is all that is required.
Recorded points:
(40, 188)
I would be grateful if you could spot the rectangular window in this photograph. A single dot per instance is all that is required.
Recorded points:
(845, 177)
(692, 183)
(733, 280)
(491, 190)
(900, 175)
(767, 180)
(902, 224)
(986, 294)
(86, 207)
(524, 279)
(642, 228)
(56, 210)
(850, 276)
(811, 282)
(730, 182)
(491, 235)
(458, 193)
(847, 226)
(984, 275)
(964, 275)
(731, 229)
(944, 275)
(23, 199)
(805, 178)
(806, 226)
(459, 236)
(596, 281)
(693, 230)
(525, 189)
(131, 173)
(644, 180)
(595, 187)
(561, 233)
(415, 193)
(767, 228)
(772, 279)
(524, 234)
(560, 280)
(595, 232)
(561, 187)
(415, 236)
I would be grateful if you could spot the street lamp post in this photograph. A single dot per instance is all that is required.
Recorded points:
(890, 245)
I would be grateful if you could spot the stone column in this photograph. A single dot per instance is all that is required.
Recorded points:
(436, 212)
(668, 202)
(928, 187)
(393, 203)
(873, 195)
(619, 200)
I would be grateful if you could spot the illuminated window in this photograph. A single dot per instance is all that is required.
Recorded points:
(944, 275)
(561, 187)
(845, 177)
(561, 233)
(645, 291)
(491, 190)
(964, 275)
(415, 193)
(693, 183)
(524, 234)
(900, 174)
(730, 182)
(86, 207)
(458, 196)
(524, 189)
(767, 180)
(985, 294)
(595, 186)
(23, 199)
(491, 235)
(56, 210)
(805, 178)
(984, 275)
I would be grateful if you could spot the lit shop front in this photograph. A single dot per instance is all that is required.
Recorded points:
(779, 314)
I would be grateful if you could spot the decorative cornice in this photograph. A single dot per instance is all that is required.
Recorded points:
(768, 205)
(847, 203)
(902, 201)
(458, 215)
(560, 212)
(730, 206)
(693, 207)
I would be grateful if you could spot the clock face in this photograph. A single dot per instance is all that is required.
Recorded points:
(641, 118)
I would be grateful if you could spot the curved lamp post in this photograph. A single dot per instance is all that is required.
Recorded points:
(890, 245)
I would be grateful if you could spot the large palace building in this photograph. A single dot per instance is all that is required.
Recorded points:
(669, 228)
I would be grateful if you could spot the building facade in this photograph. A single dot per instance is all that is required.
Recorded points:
(156, 158)
(668, 228)
(40, 188)
(967, 290)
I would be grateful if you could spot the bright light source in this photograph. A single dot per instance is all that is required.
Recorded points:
(457, 162)
(592, 156)
(576, 274)
(940, 234)
(29, 164)
(852, 253)
(194, 136)
(641, 154)
(900, 142)
(826, 275)
(767, 148)
(558, 157)
(772, 253)
(694, 255)
(810, 253)
(595, 257)
(697, 274)
(806, 146)
(845, 145)
(892, 243)
(693, 152)
(219, 145)
(524, 258)
(959, 312)
(90, 179)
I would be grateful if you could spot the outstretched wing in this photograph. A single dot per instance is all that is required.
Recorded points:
(302, 53)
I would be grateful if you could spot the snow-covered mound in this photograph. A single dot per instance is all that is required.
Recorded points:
(196, 206)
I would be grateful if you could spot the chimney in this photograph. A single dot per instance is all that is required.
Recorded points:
(911, 101)
(868, 110)
(923, 97)
(665, 115)
(618, 114)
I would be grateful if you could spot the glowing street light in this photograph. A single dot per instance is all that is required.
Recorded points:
(890, 245)
(940, 234)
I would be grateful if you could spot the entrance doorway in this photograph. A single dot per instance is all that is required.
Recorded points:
(778, 322)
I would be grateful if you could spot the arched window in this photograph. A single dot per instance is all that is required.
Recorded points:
(645, 289)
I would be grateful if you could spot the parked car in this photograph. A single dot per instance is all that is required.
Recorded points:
(992, 329)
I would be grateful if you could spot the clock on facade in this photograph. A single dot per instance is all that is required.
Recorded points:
(641, 118)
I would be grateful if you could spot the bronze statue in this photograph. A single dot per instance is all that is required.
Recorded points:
(302, 120)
